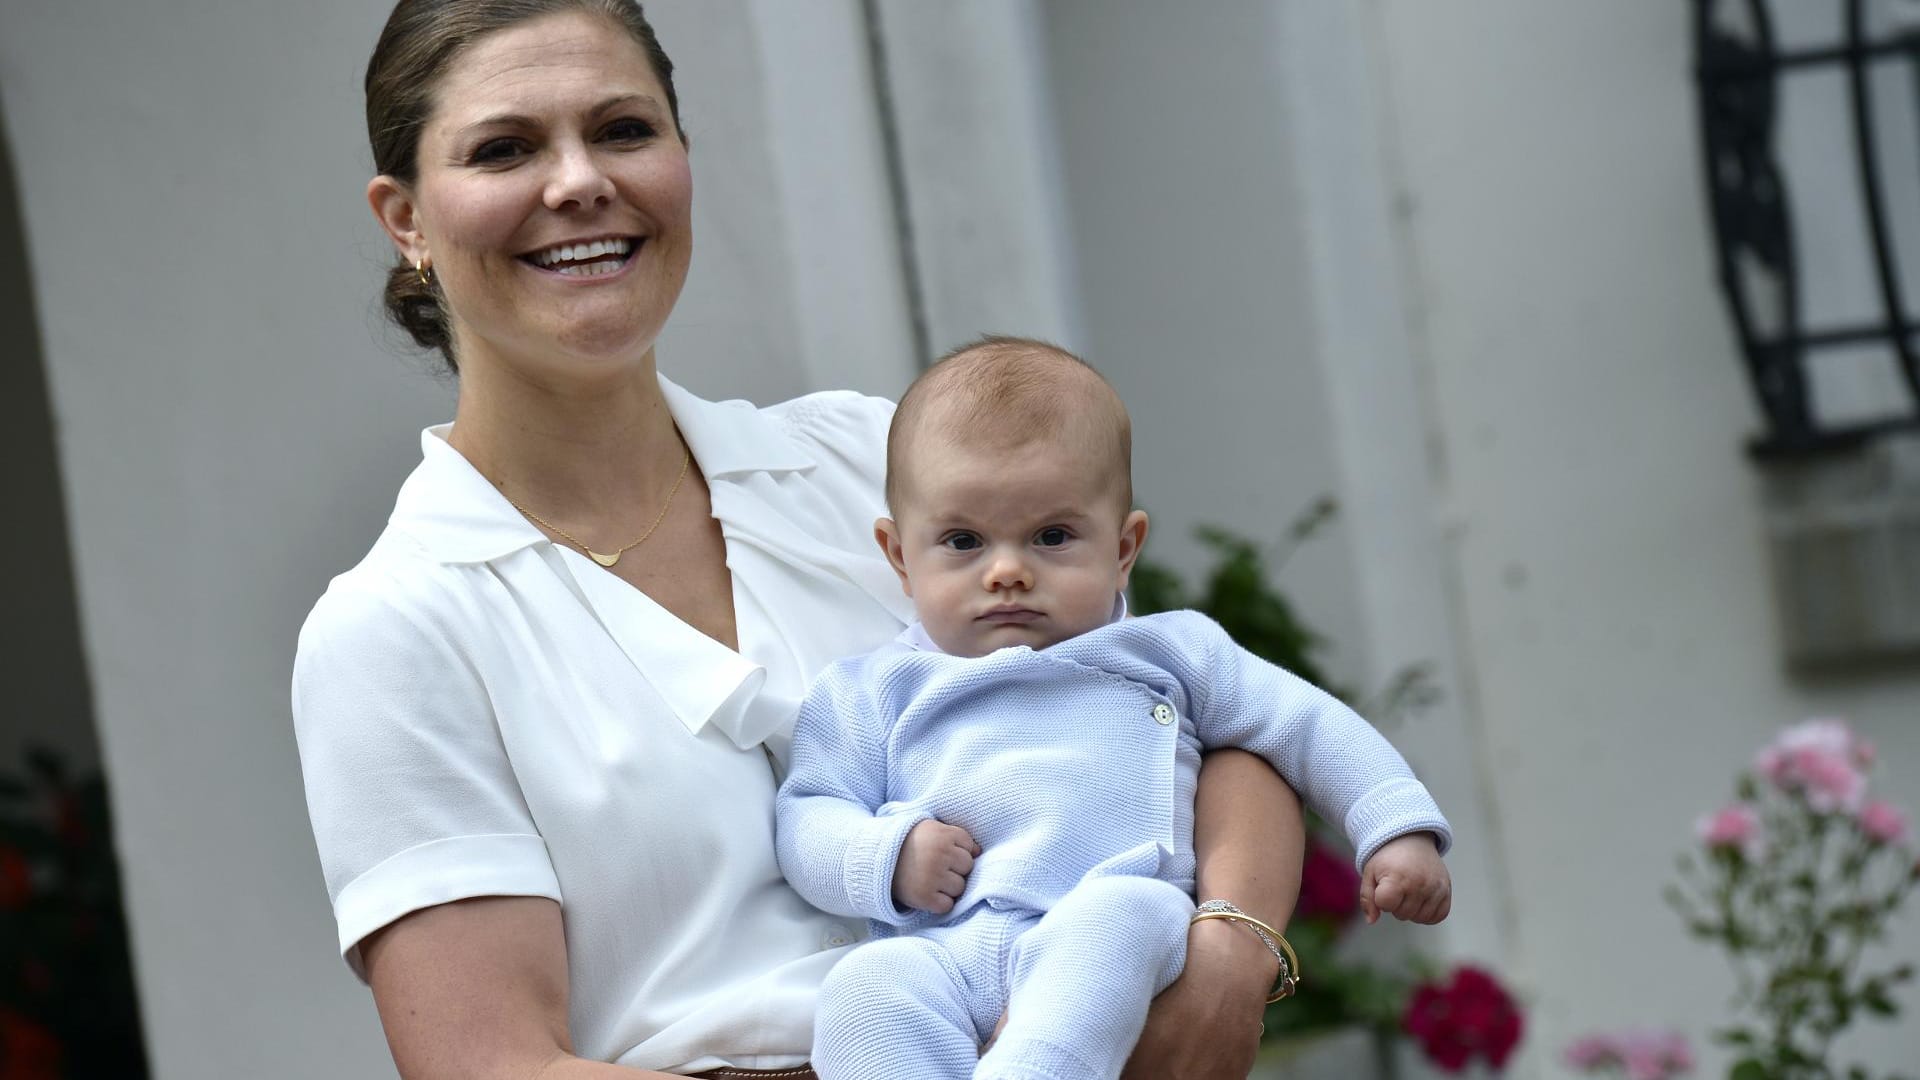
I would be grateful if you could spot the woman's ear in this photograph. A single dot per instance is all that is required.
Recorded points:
(1133, 536)
(887, 535)
(398, 214)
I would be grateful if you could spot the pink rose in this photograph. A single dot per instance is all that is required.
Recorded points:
(1736, 827)
(1830, 781)
(1883, 822)
(1641, 1055)
(1590, 1052)
(1822, 761)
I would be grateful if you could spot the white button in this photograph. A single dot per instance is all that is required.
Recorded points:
(1163, 714)
(836, 936)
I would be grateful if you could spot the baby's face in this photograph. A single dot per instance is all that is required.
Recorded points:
(1010, 547)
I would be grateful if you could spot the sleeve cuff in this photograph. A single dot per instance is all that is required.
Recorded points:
(1395, 811)
(439, 872)
(871, 861)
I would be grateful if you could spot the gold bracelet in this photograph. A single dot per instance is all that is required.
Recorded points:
(1281, 948)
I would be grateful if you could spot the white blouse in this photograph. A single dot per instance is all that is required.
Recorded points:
(482, 712)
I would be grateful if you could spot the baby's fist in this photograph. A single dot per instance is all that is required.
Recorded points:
(1406, 879)
(933, 867)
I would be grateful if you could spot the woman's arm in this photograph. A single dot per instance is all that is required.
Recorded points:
(1250, 840)
(477, 990)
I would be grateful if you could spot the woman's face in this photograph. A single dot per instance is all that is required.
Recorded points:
(553, 199)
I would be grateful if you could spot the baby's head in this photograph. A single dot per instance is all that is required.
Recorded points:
(1009, 478)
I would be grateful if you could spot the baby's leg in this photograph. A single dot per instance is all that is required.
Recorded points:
(1083, 976)
(893, 1010)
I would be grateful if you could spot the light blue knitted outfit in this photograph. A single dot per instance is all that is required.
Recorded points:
(1074, 767)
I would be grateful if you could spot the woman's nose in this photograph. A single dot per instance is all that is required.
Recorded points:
(578, 180)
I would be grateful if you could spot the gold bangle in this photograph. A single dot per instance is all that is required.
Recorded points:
(1281, 948)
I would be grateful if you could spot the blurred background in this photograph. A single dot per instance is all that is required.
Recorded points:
(1455, 267)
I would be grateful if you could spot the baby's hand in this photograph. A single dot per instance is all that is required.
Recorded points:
(1406, 878)
(933, 867)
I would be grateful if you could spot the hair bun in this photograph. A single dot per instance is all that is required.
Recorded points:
(416, 307)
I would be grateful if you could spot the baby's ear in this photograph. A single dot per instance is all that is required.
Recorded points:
(887, 535)
(1133, 537)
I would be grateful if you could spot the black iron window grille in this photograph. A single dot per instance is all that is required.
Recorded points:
(1741, 66)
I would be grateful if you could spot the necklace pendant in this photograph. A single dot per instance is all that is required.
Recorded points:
(605, 560)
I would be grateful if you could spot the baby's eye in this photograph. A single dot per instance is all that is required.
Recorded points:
(962, 541)
(1052, 537)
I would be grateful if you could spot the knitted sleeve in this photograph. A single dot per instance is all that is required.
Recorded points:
(1340, 765)
(837, 842)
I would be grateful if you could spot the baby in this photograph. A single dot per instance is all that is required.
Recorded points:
(1006, 792)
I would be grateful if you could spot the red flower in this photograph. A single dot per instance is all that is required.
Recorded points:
(28, 1051)
(68, 822)
(16, 880)
(1329, 885)
(1469, 1016)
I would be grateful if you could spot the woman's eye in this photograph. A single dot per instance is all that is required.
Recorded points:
(495, 151)
(962, 542)
(1052, 537)
(628, 131)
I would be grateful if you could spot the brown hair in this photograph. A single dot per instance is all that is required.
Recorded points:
(420, 41)
(1007, 392)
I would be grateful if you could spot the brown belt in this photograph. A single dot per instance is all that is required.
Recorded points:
(804, 1072)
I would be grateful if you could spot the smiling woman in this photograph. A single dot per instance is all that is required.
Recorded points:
(551, 198)
(414, 51)
(536, 721)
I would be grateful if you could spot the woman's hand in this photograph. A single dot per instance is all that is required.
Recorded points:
(1206, 1026)
(1248, 840)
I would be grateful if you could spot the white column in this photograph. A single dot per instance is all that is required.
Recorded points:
(1391, 478)
(974, 119)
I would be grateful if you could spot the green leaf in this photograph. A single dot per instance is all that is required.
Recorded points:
(1748, 1069)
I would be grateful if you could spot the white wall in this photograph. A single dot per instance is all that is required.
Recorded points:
(233, 417)
(1614, 604)
(1190, 249)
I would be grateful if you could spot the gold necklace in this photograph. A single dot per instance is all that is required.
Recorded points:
(609, 560)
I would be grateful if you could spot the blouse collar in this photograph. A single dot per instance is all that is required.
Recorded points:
(458, 516)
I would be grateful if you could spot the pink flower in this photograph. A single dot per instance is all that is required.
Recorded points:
(1590, 1052)
(1883, 822)
(1656, 1055)
(1822, 761)
(1736, 827)
(1641, 1055)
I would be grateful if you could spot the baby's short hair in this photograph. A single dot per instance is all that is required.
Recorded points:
(1006, 392)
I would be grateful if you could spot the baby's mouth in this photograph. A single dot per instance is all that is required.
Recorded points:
(586, 259)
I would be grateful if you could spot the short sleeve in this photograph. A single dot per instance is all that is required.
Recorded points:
(846, 431)
(411, 795)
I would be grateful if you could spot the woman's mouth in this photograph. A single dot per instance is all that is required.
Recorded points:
(586, 258)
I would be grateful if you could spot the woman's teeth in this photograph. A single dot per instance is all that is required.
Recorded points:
(584, 260)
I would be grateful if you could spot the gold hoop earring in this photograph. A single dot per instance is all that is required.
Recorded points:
(420, 268)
